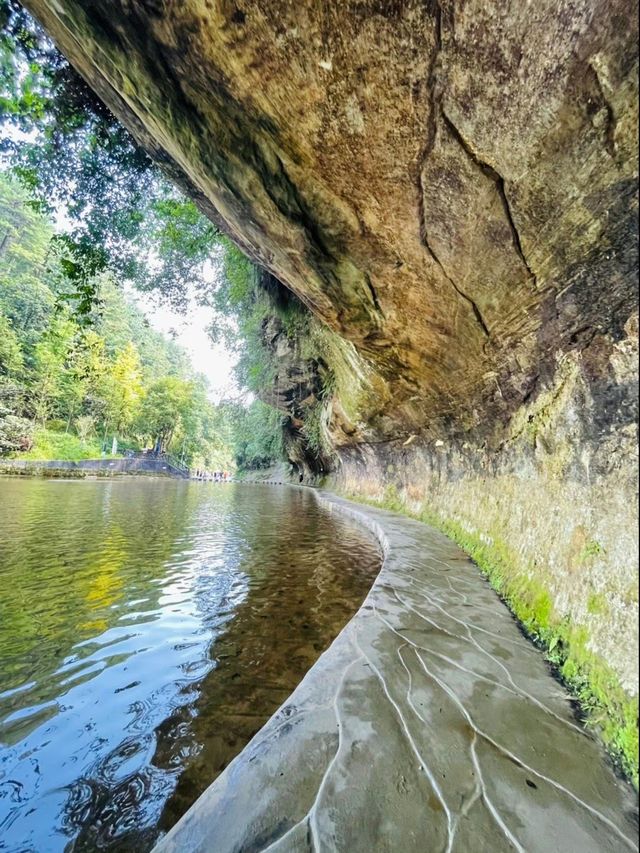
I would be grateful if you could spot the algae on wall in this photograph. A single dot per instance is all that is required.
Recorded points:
(327, 394)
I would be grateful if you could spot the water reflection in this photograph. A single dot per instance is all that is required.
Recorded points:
(147, 630)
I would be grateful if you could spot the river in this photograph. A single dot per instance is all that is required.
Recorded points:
(148, 629)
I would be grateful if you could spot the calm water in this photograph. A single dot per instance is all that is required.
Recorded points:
(148, 629)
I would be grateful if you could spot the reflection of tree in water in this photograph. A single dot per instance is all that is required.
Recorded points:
(139, 577)
(76, 563)
(117, 803)
(65, 569)
(307, 575)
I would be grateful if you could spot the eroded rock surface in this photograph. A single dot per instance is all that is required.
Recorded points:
(451, 188)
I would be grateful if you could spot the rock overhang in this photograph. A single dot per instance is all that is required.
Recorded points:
(449, 187)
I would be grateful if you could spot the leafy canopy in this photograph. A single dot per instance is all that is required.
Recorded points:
(71, 388)
(78, 161)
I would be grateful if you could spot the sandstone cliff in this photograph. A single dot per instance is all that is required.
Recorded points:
(450, 189)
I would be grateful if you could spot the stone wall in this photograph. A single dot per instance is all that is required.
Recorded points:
(560, 496)
(86, 467)
(551, 516)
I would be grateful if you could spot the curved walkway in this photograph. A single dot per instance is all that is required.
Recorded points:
(430, 724)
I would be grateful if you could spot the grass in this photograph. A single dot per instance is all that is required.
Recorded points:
(60, 446)
(605, 706)
(591, 549)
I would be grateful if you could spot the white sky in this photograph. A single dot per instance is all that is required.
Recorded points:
(189, 331)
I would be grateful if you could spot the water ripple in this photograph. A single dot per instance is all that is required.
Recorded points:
(147, 631)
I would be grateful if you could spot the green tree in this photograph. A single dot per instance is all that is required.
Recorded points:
(50, 354)
(72, 151)
(11, 361)
(204, 437)
(85, 427)
(257, 434)
(166, 406)
(83, 375)
(15, 431)
(26, 284)
(123, 391)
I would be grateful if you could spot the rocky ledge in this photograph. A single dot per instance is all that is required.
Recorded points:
(430, 724)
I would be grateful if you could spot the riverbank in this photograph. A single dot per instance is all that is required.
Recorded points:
(432, 696)
(84, 468)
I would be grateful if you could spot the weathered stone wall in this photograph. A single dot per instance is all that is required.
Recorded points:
(558, 500)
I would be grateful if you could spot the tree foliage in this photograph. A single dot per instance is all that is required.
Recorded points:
(167, 405)
(257, 431)
(92, 363)
(115, 378)
(76, 159)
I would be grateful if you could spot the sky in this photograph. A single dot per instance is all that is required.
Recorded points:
(189, 330)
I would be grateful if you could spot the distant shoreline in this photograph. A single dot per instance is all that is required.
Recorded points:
(86, 468)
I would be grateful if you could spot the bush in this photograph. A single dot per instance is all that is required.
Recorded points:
(15, 434)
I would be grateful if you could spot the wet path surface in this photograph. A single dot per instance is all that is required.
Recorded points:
(148, 629)
(430, 724)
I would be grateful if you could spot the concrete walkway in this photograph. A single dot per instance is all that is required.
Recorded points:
(430, 724)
